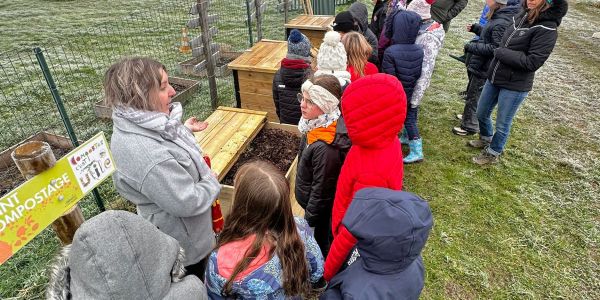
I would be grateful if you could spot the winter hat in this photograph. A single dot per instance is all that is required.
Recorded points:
(501, 1)
(298, 44)
(332, 58)
(422, 7)
(344, 22)
(321, 97)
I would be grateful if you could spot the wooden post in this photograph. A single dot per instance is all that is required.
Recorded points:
(285, 11)
(210, 61)
(33, 158)
(258, 14)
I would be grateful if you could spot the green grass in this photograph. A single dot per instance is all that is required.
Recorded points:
(526, 228)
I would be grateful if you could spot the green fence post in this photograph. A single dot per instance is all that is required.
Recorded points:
(61, 110)
(249, 22)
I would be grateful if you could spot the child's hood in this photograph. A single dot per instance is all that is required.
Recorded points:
(405, 27)
(391, 228)
(374, 109)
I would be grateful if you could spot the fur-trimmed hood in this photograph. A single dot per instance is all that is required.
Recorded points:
(554, 14)
(120, 255)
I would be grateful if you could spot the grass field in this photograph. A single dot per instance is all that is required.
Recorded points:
(527, 228)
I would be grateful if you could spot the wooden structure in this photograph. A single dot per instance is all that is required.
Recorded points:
(253, 73)
(229, 133)
(314, 27)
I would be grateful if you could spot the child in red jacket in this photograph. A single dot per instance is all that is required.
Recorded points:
(374, 108)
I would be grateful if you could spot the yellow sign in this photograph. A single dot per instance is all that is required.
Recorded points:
(27, 210)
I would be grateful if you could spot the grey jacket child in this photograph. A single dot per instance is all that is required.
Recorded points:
(119, 255)
(161, 179)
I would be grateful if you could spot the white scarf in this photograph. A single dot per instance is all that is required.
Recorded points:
(323, 120)
(170, 128)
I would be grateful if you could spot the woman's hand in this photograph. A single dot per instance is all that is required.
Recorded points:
(194, 125)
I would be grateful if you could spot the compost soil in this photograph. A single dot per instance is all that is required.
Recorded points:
(273, 145)
(11, 178)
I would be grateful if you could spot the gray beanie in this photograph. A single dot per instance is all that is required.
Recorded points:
(501, 1)
(298, 44)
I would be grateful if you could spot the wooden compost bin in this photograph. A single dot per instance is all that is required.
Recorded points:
(253, 73)
(314, 27)
(55, 141)
(191, 86)
(229, 133)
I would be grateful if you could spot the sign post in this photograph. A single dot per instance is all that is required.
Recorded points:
(54, 191)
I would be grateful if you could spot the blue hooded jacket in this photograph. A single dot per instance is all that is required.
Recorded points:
(391, 228)
(404, 58)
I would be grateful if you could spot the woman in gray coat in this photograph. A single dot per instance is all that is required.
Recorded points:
(160, 167)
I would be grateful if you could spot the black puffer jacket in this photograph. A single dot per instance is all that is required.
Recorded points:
(525, 47)
(378, 17)
(319, 166)
(482, 50)
(286, 85)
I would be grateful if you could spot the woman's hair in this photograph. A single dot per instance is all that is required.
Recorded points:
(328, 82)
(262, 207)
(133, 82)
(494, 8)
(534, 13)
(358, 51)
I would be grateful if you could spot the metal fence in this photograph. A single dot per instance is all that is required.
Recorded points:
(77, 60)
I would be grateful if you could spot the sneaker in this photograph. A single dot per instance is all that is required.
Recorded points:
(459, 116)
(462, 132)
(485, 158)
(478, 144)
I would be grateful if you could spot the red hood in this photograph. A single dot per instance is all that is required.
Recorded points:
(294, 63)
(374, 108)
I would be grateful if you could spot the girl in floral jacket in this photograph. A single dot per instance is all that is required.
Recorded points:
(263, 251)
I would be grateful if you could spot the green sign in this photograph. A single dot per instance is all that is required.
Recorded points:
(28, 209)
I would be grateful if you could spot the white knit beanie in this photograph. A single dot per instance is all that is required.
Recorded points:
(332, 55)
(421, 7)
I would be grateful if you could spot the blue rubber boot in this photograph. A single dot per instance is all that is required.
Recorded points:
(416, 151)
(404, 137)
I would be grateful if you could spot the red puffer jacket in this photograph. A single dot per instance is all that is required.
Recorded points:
(374, 108)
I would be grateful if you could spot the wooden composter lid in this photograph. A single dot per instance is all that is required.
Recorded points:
(265, 56)
(314, 22)
(229, 132)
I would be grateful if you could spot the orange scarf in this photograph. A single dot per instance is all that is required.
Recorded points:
(325, 134)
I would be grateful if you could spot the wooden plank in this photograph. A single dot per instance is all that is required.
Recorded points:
(215, 145)
(264, 56)
(216, 122)
(285, 127)
(233, 148)
(240, 110)
(311, 22)
(257, 87)
(261, 103)
(255, 76)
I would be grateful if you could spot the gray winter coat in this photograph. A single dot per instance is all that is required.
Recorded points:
(163, 182)
(361, 15)
(119, 255)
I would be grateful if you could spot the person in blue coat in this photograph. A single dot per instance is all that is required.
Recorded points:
(391, 228)
(404, 59)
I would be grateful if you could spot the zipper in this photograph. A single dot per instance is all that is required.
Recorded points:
(506, 44)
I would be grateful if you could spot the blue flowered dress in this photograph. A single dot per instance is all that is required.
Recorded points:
(266, 282)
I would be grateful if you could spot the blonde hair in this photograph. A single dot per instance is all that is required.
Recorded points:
(358, 51)
(133, 82)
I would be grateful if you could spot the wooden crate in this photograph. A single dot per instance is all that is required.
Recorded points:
(314, 27)
(253, 73)
(105, 112)
(55, 141)
(229, 133)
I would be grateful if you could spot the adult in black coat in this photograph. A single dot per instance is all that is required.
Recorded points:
(480, 53)
(294, 70)
(378, 17)
(323, 148)
(526, 45)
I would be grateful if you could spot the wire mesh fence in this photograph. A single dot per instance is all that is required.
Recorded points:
(77, 58)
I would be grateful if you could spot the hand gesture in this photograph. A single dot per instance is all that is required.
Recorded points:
(194, 125)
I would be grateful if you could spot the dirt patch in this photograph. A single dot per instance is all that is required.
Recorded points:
(273, 145)
(10, 178)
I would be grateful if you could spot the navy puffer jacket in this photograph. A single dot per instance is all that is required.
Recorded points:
(286, 85)
(404, 58)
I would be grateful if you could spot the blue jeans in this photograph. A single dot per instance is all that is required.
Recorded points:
(508, 102)
(410, 123)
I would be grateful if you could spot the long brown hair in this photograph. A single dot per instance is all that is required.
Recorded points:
(534, 13)
(133, 82)
(261, 207)
(358, 51)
